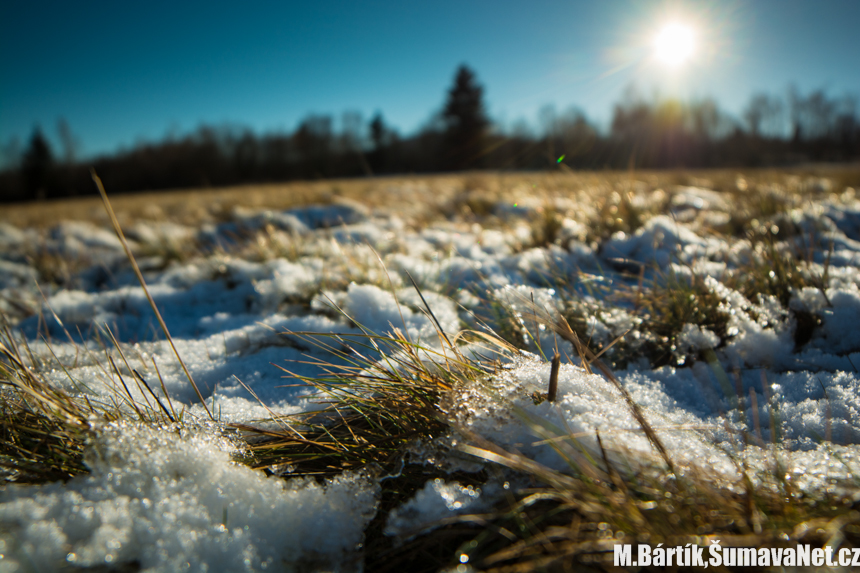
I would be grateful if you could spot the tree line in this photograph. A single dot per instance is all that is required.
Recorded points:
(644, 134)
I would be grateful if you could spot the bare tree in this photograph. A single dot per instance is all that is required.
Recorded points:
(70, 143)
(352, 131)
(548, 120)
(763, 116)
(705, 119)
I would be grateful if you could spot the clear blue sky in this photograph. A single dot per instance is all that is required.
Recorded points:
(122, 72)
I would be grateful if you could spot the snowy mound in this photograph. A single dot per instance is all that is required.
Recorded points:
(169, 503)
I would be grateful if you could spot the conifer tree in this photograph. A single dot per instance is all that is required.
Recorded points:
(36, 165)
(466, 122)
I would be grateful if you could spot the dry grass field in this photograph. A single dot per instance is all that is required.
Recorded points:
(475, 372)
(411, 194)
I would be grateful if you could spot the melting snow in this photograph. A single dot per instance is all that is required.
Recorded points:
(169, 501)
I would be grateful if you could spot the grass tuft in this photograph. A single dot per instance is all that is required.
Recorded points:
(42, 428)
(390, 393)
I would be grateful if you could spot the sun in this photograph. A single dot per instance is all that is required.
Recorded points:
(674, 44)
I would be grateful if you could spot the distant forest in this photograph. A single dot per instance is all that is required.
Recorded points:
(773, 131)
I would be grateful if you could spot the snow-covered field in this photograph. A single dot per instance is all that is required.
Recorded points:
(736, 313)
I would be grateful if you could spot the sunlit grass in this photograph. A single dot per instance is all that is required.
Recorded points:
(384, 392)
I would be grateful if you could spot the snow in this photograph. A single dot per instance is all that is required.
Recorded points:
(170, 499)
(661, 240)
(172, 503)
(432, 504)
(379, 311)
(699, 199)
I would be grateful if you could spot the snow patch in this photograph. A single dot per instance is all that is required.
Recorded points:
(170, 502)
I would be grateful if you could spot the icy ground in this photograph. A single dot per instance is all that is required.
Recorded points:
(229, 291)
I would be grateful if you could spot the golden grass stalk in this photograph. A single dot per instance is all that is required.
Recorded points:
(139, 275)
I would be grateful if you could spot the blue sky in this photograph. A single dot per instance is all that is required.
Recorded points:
(123, 72)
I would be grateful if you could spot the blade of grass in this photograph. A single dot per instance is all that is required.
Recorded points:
(140, 279)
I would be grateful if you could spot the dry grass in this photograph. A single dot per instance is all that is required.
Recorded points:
(469, 191)
(374, 409)
(42, 428)
(550, 521)
(390, 392)
(572, 521)
(196, 206)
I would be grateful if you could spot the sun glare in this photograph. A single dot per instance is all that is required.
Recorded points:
(674, 44)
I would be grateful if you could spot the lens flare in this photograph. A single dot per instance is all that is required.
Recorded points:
(674, 44)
